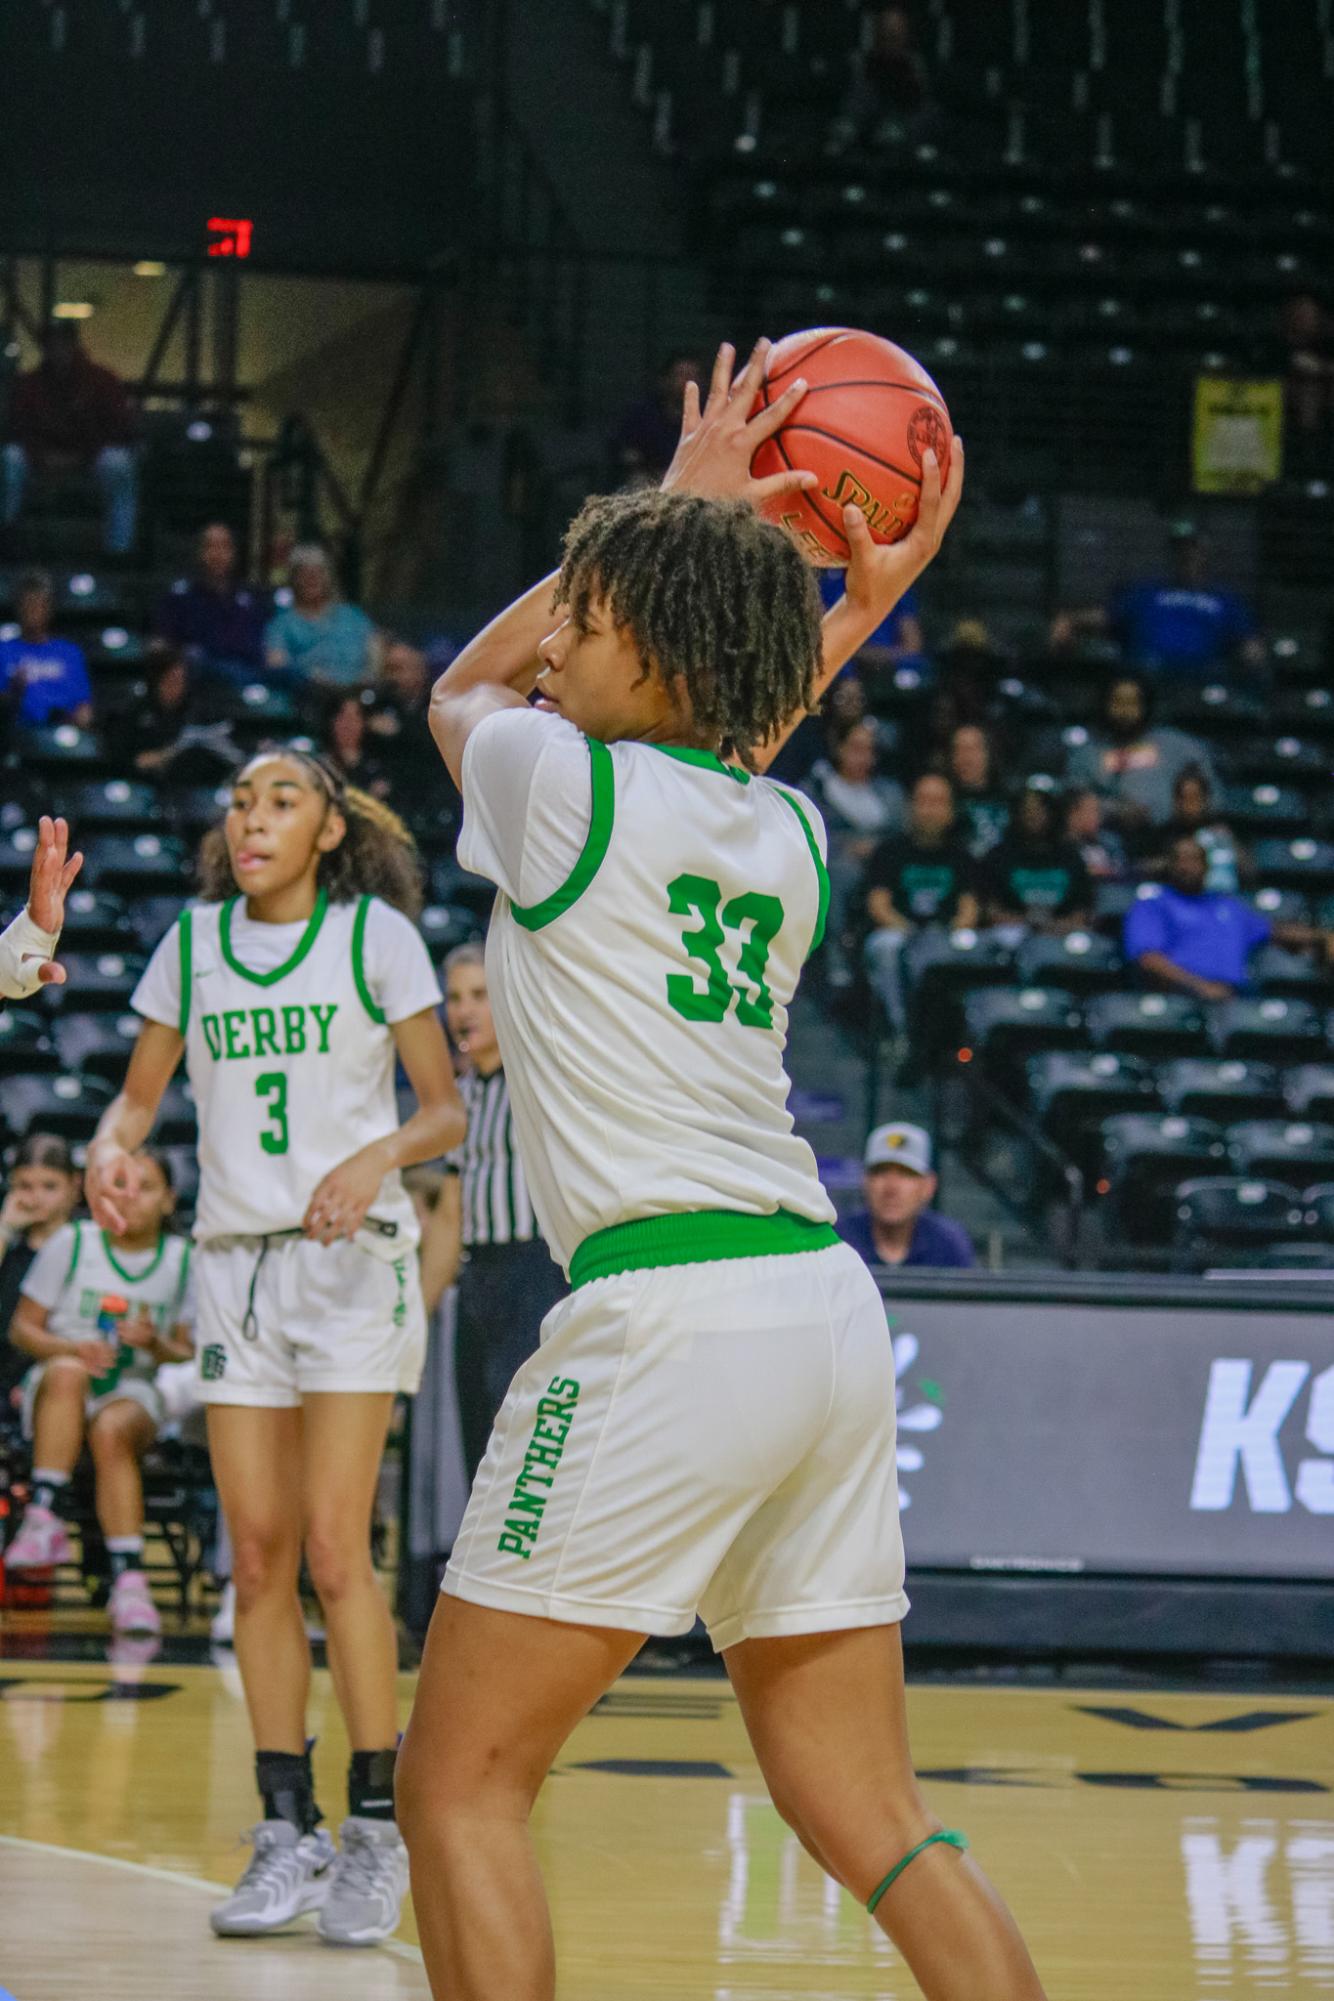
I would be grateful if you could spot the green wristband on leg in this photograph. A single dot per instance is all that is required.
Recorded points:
(949, 1835)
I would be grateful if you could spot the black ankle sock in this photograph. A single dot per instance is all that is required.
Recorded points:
(50, 1494)
(287, 1788)
(370, 1784)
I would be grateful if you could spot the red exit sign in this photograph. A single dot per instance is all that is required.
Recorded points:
(229, 235)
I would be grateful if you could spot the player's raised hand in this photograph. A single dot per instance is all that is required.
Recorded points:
(879, 573)
(53, 870)
(110, 1182)
(719, 440)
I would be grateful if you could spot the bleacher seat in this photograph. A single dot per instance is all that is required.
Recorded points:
(1309, 1091)
(70, 1106)
(1290, 975)
(62, 750)
(942, 968)
(176, 1123)
(96, 981)
(1006, 1025)
(26, 1046)
(17, 847)
(111, 803)
(95, 921)
(1272, 1031)
(1146, 1155)
(1081, 962)
(1221, 1088)
(1072, 1096)
(1282, 1149)
(1304, 864)
(445, 925)
(1238, 1217)
(97, 1045)
(1266, 810)
(151, 917)
(135, 865)
(1155, 1026)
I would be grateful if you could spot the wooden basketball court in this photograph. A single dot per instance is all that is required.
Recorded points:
(1156, 1847)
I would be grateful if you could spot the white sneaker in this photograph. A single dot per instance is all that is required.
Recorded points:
(288, 1873)
(222, 1631)
(369, 1883)
(132, 1608)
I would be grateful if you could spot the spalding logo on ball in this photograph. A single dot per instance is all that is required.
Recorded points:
(869, 414)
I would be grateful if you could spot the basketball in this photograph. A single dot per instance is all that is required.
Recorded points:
(868, 415)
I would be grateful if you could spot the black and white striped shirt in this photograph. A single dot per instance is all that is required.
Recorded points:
(495, 1205)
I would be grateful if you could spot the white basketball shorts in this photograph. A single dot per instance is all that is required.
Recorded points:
(714, 1438)
(281, 1319)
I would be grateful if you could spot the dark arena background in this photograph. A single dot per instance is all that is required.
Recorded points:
(406, 280)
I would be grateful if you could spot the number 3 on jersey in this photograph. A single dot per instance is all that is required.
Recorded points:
(756, 919)
(273, 1085)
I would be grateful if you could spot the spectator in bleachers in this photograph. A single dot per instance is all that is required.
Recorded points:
(1195, 815)
(1035, 879)
(1198, 941)
(889, 97)
(150, 735)
(859, 807)
(43, 679)
(344, 742)
(319, 637)
(215, 617)
(1308, 355)
(70, 414)
(399, 724)
(43, 1193)
(1181, 629)
(898, 1225)
(1101, 848)
(649, 432)
(1133, 764)
(979, 798)
(922, 876)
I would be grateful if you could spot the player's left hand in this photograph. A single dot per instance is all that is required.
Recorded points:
(53, 870)
(339, 1205)
(718, 442)
(139, 1330)
(879, 573)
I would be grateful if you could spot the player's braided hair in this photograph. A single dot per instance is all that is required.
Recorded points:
(706, 590)
(376, 857)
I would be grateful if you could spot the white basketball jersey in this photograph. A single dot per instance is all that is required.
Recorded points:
(292, 1071)
(89, 1288)
(642, 1008)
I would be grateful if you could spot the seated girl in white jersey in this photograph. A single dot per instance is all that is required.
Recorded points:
(293, 988)
(708, 1424)
(99, 1314)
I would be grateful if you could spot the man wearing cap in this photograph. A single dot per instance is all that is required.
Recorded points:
(1181, 627)
(898, 1226)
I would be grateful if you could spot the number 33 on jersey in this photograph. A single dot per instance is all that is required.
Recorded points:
(694, 892)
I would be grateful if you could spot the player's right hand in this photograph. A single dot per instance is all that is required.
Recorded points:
(53, 870)
(111, 1181)
(718, 442)
(97, 1356)
(880, 572)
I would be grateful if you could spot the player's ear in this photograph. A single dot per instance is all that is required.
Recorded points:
(332, 833)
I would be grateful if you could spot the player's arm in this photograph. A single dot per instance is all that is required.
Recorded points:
(877, 577)
(27, 944)
(442, 1243)
(499, 669)
(341, 1202)
(111, 1175)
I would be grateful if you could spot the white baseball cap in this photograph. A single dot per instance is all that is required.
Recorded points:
(899, 1146)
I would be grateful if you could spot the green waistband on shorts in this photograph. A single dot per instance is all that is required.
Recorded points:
(697, 1237)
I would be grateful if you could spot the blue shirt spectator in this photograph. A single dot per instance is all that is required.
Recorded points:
(1190, 937)
(1184, 627)
(898, 1226)
(318, 636)
(47, 678)
(212, 617)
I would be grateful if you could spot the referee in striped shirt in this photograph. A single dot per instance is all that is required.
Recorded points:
(507, 1280)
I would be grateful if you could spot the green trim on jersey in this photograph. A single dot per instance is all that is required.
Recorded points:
(183, 1276)
(699, 1236)
(821, 872)
(603, 775)
(74, 1255)
(186, 928)
(134, 1277)
(308, 938)
(706, 760)
(359, 960)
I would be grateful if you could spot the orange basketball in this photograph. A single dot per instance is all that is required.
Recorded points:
(867, 417)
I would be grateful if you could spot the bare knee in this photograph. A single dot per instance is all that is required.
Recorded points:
(263, 1561)
(111, 1440)
(339, 1563)
(64, 1378)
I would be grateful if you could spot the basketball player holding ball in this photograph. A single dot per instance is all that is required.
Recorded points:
(709, 1421)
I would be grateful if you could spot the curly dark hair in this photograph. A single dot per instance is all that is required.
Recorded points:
(707, 590)
(376, 857)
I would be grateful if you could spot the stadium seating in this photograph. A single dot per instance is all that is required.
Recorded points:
(1237, 1220)
(1146, 1155)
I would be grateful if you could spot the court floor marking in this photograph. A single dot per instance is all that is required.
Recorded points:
(398, 1947)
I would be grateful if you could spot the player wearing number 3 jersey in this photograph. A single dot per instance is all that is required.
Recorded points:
(708, 1424)
(293, 989)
